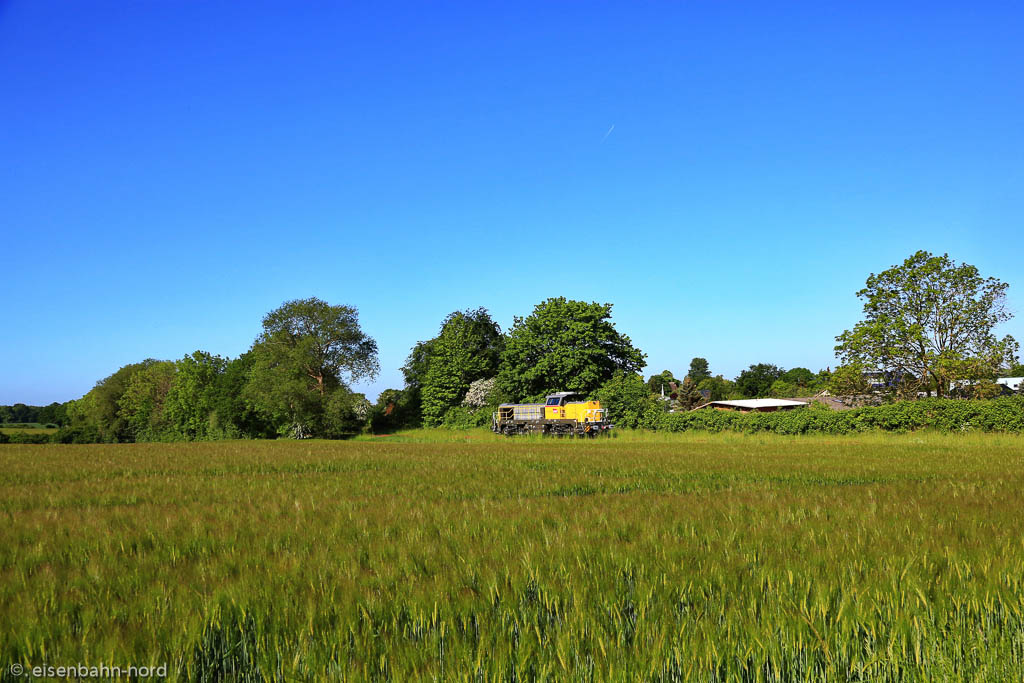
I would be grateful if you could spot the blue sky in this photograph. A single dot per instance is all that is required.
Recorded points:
(172, 171)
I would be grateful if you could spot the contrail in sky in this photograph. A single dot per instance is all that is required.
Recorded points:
(608, 133)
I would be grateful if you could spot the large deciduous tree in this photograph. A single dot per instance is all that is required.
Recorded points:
(190, 400)
(932, 319)
(565, 345)
(467, 349)
(308, 349)
(662, 381)
(756, 381)
(100, 410)
(142, 405)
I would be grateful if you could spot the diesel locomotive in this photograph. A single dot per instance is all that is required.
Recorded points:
(557, 416)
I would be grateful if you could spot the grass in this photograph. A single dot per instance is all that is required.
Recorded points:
(436, 555)
(30, 427)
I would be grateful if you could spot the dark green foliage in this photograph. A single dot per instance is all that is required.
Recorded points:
(190, 398)
(415, 368)
(4, 438)
(55, 413)
(757, 380)
(461, 417)
(19, 412)
(688, 396)
(101, 407)
(77, 434)
(142, 405)
(699, 370)
(395, 409)
(932, 319)
(663, 379)
(29, 437)
(564, 345)
(801, 377)
(718, 387)
(628, 403)
(308, 350)
(468, 348)
(231, 416)
(947, 415)
(344, 414)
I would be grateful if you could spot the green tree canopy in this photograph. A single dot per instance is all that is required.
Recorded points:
(662, 379)
(699, 370)
(308, 349)
(627, 402)
(100, 408)
(191, 397)
(801, 377)
(467, 349)
(718, 387)
(688, 396)
(232, 416)
(142, 405)
(931, 319)
(756, 381)
(565, 345)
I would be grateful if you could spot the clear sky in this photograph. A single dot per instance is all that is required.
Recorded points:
(727, 174)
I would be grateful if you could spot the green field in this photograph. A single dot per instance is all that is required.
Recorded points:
(33, 428)
(459, 556)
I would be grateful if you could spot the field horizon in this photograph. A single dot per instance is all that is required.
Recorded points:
(465, 556)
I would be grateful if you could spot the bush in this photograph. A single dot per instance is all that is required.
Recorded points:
(77, 434)
(627, 403)
(461, 417)
(947, 415)
(29, 437)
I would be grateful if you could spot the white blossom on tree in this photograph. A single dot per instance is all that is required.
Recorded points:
(479, 393)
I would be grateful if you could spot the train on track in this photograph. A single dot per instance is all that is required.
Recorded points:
(557, 416)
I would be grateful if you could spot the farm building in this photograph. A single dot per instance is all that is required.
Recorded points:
(756, 405)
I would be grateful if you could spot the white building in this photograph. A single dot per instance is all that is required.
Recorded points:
(1011, 383)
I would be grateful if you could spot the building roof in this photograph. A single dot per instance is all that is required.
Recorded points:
(755, 403)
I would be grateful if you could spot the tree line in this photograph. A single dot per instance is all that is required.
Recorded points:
(927, 328)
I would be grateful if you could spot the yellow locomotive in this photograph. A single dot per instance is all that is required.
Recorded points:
(557, 416)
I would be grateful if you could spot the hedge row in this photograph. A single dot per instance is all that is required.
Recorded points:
(947, 415)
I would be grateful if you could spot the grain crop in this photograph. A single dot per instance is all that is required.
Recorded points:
(459, 556)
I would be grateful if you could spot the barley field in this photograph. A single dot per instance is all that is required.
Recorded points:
(463, 557)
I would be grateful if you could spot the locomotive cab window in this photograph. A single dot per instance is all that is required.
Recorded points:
(554, 401)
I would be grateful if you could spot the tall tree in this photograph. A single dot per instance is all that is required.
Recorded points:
(99, 409)
(756, 381)
(232, 416)
(688, 397)
(699, 370)
(628, 403)
(307, 350)
(467, 349)
(565, 345)
(718, 387)
(190, 400)
(933, 319)
(142, 405)
(663, 380)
